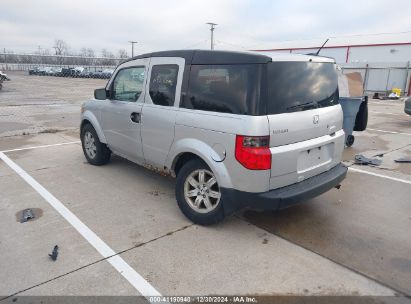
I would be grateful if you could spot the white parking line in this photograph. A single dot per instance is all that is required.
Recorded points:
(44, 146)
(397, 114)
(385, 103)
(380, 175)
(133, 277)
(391, 132)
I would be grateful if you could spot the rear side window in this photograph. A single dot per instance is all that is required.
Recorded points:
(163, 83)
(299, 86)
(128, 84)
(223, 88)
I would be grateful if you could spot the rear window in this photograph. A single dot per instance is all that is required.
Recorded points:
(299, 86)
(223, 88)
(163, 84)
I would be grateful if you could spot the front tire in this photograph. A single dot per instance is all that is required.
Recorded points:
(96, 152)
(198, 193)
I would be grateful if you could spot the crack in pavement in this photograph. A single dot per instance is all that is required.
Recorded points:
(98, 261)
(34, 104)
(407, 145)
(42, 130)
(397, 292)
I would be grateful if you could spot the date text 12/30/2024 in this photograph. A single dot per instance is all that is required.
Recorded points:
(203, 299)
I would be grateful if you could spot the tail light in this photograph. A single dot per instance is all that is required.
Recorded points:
(253, 152)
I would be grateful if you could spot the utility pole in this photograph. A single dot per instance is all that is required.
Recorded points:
(212, 28)
(132, 47)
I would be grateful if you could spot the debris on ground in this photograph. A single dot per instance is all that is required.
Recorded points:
(26, 215)
(54, 254)
(403, 160)
(380, 96)
(362, 160)
(393, 96)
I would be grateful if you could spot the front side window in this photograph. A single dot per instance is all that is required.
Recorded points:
(128, 84)
(223, 88)
(299, 86)
(163, 84)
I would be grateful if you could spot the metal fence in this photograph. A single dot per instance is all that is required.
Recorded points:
(383, 77)
(16, 62)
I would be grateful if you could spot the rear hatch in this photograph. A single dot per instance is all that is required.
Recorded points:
(305, 120)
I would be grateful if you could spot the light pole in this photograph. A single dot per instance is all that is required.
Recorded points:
(132, 47)
(212, 27)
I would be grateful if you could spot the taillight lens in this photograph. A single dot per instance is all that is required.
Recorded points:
(253, 152)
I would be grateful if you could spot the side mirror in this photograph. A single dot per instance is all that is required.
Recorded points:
(100, 94)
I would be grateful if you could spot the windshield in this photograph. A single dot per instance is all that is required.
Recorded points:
(299, 86)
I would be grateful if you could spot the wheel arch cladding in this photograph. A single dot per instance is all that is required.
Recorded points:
(89, 117)
(189, 148)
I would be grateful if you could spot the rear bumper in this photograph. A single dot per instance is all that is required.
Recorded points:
(286, 196)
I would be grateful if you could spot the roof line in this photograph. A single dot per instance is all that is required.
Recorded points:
(333, 46)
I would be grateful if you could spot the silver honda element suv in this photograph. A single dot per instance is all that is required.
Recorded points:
(236, 129)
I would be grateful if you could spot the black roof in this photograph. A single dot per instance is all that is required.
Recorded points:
(209, 57)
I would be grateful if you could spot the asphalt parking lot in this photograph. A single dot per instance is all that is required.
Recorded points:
(120, 232)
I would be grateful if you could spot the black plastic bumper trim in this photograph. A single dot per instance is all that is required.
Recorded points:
(286, 196)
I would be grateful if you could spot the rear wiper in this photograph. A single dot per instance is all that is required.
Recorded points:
(304, 105)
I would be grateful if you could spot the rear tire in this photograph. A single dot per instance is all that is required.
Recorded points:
(198, 193)
(96, 152)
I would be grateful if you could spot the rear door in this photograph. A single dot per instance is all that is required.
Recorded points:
(305, 120)
(162, 98)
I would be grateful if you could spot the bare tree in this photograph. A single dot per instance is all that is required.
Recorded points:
(90, 52)
(122, 53)
(83, 52)
(61, 47)
(106, 54)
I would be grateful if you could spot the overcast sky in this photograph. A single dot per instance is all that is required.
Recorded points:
(173, 24)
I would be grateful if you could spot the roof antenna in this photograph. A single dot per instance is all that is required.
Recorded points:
(318, 52)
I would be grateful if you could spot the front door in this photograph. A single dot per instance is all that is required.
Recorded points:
(162, 99)
(121, 115)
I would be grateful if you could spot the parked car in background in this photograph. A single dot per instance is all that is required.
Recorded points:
(236, 129)
(3, 77)
(53, 71)
(96, 74)
(57, 71)
(106, 74)
(86, 73)
(407, 107)
(77, 71)
(65, 72)
(34, 71)
(47, 71)
(38, 71)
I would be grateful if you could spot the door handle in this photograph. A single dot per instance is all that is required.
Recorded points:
(135, 117)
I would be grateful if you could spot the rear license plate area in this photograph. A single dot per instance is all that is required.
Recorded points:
(315, 157)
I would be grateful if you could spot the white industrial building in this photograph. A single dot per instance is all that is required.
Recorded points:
(373, 48)
(383, 60)
(347, 53)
